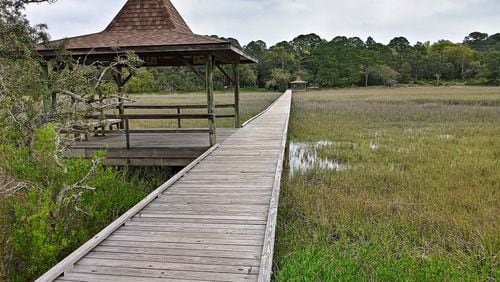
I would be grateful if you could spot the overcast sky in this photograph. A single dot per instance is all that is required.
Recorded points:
(277, 20)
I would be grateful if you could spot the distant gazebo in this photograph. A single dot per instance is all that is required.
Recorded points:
(299, 85)
(155, 31)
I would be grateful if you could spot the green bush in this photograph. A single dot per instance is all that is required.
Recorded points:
(54, 216)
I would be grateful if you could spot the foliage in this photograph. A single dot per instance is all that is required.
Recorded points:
(419, 198)
(279, 80)
(55, 203)
(45, 225)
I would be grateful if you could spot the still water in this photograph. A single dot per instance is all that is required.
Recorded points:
(303, 157)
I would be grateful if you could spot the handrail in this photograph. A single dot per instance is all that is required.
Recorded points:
(174, 107)
(152, 116)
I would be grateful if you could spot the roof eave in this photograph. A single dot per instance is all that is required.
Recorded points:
(205, 48)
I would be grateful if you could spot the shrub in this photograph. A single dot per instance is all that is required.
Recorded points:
(67, 203)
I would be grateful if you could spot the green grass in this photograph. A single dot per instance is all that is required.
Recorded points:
(252, 103)
(423, 206)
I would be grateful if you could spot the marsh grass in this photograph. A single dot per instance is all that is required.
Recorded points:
(420, 201)
(252, 103)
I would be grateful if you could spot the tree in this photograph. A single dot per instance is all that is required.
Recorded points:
(369, 62)
(303, 45)
(491, 62)
(461, 56)
(279, 80)
(401, 51)
(476, 40)
(256, 48)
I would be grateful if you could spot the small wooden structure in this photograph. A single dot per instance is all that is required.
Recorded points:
(155, 31)
(299, 85)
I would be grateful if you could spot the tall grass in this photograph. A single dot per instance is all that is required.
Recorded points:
(420, 205)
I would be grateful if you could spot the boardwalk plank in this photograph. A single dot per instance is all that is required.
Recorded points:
(119, 273)
(138, 264)
(186, 259)
(233, 255)
(184, 246)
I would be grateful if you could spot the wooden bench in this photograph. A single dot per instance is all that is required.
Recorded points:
(96, 125)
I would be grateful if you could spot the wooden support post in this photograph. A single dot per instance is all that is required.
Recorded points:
(236, 81)
(127, 132)
(47, 101)
(179, 121)
(192, 68)
(119, 82)
(209, 64)
(53, 106)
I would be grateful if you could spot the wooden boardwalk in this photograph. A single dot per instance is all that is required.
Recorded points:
(214, 221)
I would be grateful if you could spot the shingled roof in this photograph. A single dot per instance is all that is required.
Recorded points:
(149, 15)
(146, 26)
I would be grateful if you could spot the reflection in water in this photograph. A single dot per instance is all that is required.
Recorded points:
(304, 156)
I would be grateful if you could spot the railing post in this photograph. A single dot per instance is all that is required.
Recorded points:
(127, 132)
(237, 118)
(179, 123)
(47, 102)
(209, 64)
(121, 110)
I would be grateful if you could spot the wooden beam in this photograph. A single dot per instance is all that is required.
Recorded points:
(154, 116)
(192, 68)
(221, 69)
(209, 65)
(174, 107)
(236, 82)
(47, 106)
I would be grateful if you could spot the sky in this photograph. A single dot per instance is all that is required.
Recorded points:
(278, 20)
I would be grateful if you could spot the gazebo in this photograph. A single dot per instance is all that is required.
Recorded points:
(299, 85)
(155, 31)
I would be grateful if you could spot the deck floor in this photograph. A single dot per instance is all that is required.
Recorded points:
(210, 225)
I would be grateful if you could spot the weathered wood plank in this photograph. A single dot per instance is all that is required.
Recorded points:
(184, 246)
(236, 255)
(171, 229)
(189, 259)
(200, 221)
(201, 226)
(150, 265)
(169, 274)
(184, 235)
(112, 278)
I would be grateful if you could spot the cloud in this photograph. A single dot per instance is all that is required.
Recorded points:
(277, 20)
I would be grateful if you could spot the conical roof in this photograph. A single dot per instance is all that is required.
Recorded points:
(299, 81)
(149, 15)
(152, 29)
(141, 23)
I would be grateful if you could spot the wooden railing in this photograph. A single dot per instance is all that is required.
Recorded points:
(179, 116)
(179, 109)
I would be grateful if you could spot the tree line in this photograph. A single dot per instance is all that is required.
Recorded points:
(349, 61)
